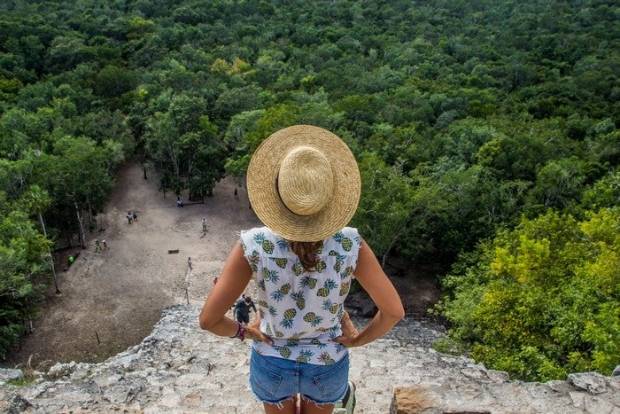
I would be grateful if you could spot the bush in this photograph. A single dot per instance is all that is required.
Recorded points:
(543, 299)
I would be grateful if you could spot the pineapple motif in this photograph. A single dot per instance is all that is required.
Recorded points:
(348, 271)
(327, 287)
(334, 308)
(305, 355)
(345, 242)
(318, 343)
(267, 245)
(298, 269)
(279, 334)
(278, 295)
(261, 284)
(333, 332)
(344, 288)
(292, 342)
(322, 292)
(263, 304)
(280, 261)
(339, 260)
(284, 351)
(289, 315)
(331, 307)
(320, 266)
(326, 358)
(270, 275)
(308, 281)
(272, 311)
(299, 299)
(253, 259)
(313, 319)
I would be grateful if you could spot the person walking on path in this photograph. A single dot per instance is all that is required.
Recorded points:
(134, 215)
(241, 310)
(304, 185)
(129, 217)
(189, 263)
(97, 246)
(204, 226)
(179, 201)
(105, 244)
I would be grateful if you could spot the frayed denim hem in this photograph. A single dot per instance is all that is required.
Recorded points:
(279, 403)
(317, 403)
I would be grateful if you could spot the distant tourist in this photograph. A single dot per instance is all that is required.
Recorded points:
(97, 246)
(134, 215)
(129, 217)
(179, 201)
(189, 263)
(242, 309)
(105, 244)
(204, 226)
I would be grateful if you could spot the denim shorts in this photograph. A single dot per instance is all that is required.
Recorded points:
(275, 380)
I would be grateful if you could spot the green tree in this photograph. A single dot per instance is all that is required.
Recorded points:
(542, 300)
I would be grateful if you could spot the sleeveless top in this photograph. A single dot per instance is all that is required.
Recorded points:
(301, 310)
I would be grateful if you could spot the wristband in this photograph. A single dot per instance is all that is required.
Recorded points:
(238, 330)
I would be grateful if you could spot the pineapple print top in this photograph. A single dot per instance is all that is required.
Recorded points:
(301, 310)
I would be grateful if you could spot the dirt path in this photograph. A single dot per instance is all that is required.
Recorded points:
(119, 294)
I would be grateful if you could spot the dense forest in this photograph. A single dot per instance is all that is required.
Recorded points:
(487, 134)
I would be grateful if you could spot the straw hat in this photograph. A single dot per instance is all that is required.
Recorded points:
(304, 183)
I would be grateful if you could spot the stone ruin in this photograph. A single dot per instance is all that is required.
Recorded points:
(180, 369)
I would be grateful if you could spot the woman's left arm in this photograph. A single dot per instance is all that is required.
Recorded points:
(231, 283)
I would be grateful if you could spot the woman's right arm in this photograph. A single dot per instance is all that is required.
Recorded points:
(373, 280)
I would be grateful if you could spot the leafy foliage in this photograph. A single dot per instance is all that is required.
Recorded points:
(543, 299)
(465, 115)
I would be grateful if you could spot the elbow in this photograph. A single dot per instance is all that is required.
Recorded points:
(396, 314)
(206, 322)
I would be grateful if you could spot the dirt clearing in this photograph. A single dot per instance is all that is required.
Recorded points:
(118, 294)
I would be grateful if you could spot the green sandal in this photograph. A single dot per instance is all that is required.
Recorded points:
(347, 404)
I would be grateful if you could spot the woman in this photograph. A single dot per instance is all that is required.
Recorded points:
(304, 185)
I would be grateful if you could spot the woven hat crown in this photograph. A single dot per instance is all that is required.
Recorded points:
(305, 180)
(303, 183)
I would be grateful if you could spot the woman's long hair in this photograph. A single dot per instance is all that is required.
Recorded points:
(307, 253)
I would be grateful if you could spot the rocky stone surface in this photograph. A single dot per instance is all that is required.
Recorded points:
(10, 374)
(181, 369)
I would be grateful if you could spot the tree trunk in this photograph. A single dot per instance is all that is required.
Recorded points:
(387, 251)
(90, 216)
(49, 251)
(79, 219)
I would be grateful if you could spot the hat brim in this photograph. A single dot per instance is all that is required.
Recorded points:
(262, 177)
